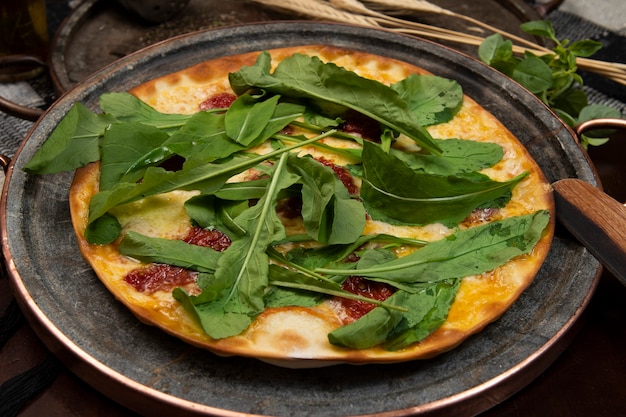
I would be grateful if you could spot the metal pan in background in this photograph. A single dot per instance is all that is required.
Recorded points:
(99, 32)
(152, 373)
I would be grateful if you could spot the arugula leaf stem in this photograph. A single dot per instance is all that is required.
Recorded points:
(339, 151)
(376, 270)
(126, 195)
(278, 257)
(415, 259)
(342, 294)
(258, 231)
(319, 129)
(184, 118)
(296, 145)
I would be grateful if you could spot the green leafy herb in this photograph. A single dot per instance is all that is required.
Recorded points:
(333, 87)
(394, 191)
(427, 311)
(123, 144)
(169, 251)
(200, 140)
(552, 77)
(206, 178)
(435, 270)
(466, 252)
(247, 117)
(330, 215)
(459, 156)
(433, 99)
(302, 287)
(208, 211)
(242, 270)
(75, 142)
(104, 230)
(126, 108)
(334, 254)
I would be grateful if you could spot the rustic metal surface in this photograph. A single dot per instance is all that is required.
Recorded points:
(99, 32)
(149, 372)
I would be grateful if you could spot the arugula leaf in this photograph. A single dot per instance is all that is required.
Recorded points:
(305, 77)
(104, 230)
(125, 107)
(158, 180)
(122, 145)
(459, 156)
(246, 190)
(247, 117)
(304, 282)
(209, 211)
(206, 178)
(204, 137)
(200, 140)
(465, 253)
(169, 251)
(332, 254)
(309, 291)
(432, 99)
(330, 215)
(427, 310)
(74, 142)
(371, 329)
(284, 297)
(241, 276)
(393, 190)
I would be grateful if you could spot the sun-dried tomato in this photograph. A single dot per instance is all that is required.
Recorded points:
(343, 174)
(366, 288)
(159, 277)
(218, 101)
(211, 238)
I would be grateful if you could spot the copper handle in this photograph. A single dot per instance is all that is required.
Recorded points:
(10, 107)
(607, 123)
(5, 161)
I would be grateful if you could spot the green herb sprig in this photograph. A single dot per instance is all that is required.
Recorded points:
(552, 77)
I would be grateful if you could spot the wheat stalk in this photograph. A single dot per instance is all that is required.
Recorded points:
(612, 70)
(401, 6)
(357, 13)
(317, 10)
(404, 6)
(354, 6)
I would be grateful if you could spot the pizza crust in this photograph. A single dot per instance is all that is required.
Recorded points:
(297, 336)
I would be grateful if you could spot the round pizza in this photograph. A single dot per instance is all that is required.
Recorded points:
(305, 206)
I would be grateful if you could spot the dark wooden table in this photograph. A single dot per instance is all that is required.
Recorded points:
(587, 379)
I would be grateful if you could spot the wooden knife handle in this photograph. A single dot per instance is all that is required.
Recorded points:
(596, 219)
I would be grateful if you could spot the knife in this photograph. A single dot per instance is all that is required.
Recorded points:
(596, 220)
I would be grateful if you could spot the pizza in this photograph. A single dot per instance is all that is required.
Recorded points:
(308, 206)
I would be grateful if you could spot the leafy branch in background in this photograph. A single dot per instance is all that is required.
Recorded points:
(552, 77)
